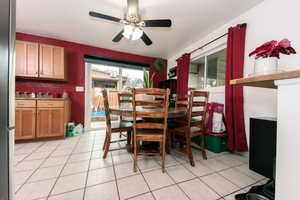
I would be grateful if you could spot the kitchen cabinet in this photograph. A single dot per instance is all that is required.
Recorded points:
(25, 119)
(44, 119)
(51, 62)
(50, 122)
(40, 61)
(27, 59)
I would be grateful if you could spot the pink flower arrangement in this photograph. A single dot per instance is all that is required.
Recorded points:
(273, 49)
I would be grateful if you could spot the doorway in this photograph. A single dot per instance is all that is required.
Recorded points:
(113, 78)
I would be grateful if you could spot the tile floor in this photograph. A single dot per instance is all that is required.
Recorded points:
(73, 169)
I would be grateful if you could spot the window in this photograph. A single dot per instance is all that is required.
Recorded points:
(208, 71)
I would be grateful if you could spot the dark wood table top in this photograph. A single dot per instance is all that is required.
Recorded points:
(127, 112)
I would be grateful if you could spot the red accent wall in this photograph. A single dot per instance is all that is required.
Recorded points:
(76, 70)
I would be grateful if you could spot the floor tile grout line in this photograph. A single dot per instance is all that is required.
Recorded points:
(178, 163)
(30, 154)
(215, 191)
(87, 175)
(142, 174)
(35, 170)
(62, 169)
(178, 185)
(116, 180)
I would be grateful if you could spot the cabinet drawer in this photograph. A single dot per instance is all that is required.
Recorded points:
(50, 104)
(25, 103)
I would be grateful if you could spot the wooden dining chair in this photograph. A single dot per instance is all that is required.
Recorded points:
(181, 101)
(195, 126)
(154, 129)
(125, 99)
(115, 127)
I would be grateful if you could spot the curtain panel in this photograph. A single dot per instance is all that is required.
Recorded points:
(183, 68)
(234, 96)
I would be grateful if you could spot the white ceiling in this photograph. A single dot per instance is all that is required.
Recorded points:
(69, 20)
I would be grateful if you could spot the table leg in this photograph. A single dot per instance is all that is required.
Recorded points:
(129, 142)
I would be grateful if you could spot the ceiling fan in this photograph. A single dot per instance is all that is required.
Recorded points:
(133, 24)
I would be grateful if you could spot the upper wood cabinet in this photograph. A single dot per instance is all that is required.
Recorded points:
(40, 61)
(52, 62)
(27, 59)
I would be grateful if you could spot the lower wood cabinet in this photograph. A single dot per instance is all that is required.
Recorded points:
(25, 123)
(50, 122)
(41, 118)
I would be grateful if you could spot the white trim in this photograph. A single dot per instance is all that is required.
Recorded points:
(293, 81)
(87, 110)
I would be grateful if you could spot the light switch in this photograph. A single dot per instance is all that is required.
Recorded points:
(79, 89)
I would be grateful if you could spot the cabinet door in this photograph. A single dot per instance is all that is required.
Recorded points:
(43, 122)
(50, 122)
(25, 123)
(46, 69)
(58, 63)
(57, 127)
(27, 59)
(52, 61)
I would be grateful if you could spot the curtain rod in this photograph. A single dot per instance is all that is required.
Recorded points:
(239, 25)
(209, 43)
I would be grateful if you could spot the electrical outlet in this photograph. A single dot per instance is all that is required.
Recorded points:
(79, 89)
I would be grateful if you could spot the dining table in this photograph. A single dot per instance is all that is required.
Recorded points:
(173, 113)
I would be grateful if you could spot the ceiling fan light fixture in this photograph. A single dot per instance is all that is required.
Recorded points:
(132, 32)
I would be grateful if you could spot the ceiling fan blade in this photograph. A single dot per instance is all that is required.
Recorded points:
(102, 16)
(118, 37)
(158, 23)
(146, 39)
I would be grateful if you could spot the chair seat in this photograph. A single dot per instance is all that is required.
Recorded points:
(149, 134)
(194, 131)
(121, 126)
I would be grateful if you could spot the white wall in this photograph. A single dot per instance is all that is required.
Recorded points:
(270, 20)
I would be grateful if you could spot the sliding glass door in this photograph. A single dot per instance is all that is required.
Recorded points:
(114, 79)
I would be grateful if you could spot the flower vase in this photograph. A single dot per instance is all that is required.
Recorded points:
(266, 66)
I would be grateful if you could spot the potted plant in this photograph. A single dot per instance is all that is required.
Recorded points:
(159, 66)
(268, 54)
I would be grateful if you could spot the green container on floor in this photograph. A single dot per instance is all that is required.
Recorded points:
(216, 144)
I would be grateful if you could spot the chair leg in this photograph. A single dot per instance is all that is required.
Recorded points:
(129, 143)
(106, 149)
(169, 141)
(189, 149)
(135, 155)
(105, 141)
(163, 158)
(202, 146)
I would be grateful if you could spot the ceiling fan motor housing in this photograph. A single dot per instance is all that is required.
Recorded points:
(132, 14)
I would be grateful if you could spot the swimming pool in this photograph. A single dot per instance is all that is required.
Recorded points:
(99, 113)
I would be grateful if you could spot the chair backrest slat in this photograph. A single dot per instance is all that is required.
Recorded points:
(182, 101)
(149, 114)
(149, 103)
(147, 125)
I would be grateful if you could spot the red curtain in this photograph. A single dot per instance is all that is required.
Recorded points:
(234, 97)
(183, 67)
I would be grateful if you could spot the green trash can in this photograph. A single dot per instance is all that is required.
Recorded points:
(216, 143)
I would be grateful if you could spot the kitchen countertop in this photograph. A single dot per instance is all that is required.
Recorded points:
(46, 99)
